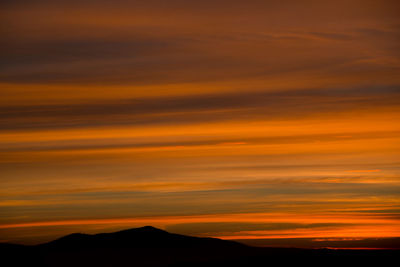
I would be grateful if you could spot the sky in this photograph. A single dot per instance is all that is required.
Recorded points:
(265, 121)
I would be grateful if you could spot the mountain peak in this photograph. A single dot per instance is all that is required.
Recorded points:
(149, 228)
(145, 229)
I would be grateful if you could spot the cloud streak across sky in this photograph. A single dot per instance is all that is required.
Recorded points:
(264, 119)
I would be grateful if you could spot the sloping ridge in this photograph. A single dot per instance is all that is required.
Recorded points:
(152, 247)
(142, 237)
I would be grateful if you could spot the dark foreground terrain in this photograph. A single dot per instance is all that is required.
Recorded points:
(148, 246)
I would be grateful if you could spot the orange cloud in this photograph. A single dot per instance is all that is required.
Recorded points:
(377, 170)
(238, 112)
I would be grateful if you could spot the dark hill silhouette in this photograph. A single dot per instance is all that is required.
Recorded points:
(152, 247)
(144, 237)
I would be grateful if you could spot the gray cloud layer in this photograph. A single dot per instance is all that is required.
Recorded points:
(189, 109)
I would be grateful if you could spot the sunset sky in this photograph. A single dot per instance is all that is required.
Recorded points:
(232, 119)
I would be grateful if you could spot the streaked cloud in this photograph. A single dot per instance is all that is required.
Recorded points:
(262, 120)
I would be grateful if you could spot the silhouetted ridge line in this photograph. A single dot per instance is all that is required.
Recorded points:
(152, 247)
(143, 237)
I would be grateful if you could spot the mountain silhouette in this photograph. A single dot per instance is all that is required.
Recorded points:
(152, 247)
(144, 237)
